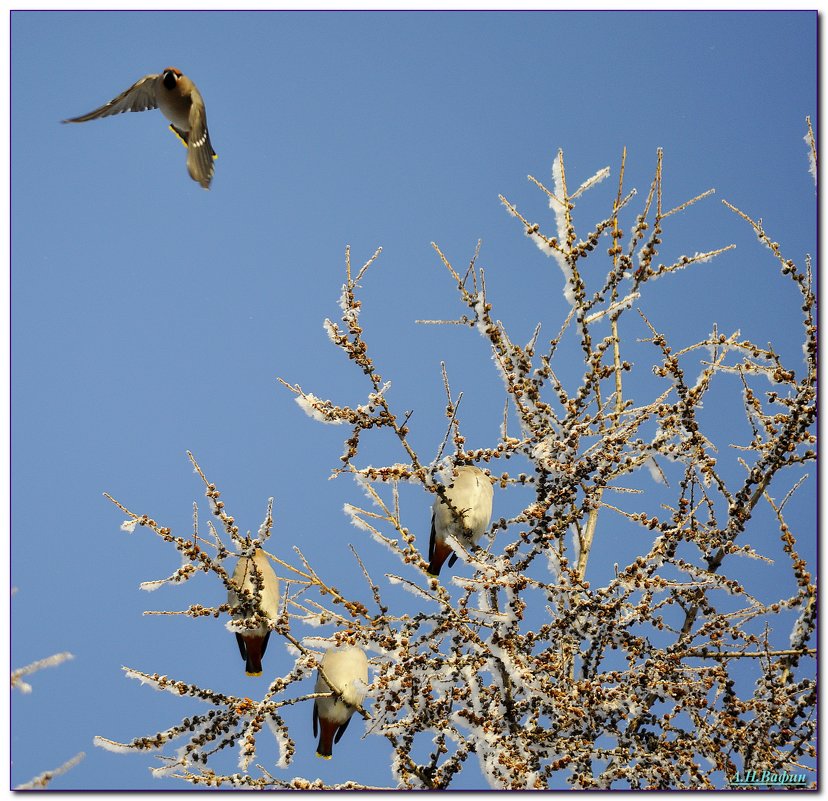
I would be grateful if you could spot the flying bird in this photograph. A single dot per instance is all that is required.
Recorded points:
(254, 572)
(181, 103)
(347, 667)
(471, 496)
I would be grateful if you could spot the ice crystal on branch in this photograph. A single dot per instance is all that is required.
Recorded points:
(50, 661)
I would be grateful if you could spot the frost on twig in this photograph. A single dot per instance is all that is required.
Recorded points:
(812, 151)
(42, 781)
(50, 661)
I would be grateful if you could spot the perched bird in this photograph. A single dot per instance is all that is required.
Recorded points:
(252, 572)
(180, 102)
(471, 496)
(347, 667)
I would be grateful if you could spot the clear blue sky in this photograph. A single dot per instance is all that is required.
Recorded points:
(150, 317)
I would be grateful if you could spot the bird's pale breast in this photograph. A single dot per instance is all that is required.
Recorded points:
(174, 107)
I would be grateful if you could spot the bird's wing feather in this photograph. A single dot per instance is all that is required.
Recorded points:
(139, 97)
(200, 151)
(341, 731)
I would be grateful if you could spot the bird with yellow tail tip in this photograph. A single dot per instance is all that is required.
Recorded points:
(471, 496)
(254, 574)
(347, 668)
(181, 103)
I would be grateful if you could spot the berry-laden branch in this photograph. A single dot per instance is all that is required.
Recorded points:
(643, 617)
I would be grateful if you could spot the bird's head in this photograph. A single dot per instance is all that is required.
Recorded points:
(171, 76)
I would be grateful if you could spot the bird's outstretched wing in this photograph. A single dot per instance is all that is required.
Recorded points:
(139, 97)
(200, 153)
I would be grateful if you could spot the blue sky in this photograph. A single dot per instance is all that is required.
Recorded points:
(150, 317)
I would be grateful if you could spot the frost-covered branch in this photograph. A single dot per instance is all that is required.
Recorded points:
(532, 663)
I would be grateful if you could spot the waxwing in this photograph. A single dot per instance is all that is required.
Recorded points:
(471, 495)
(250, 572)
(347, 667)
(180, 102)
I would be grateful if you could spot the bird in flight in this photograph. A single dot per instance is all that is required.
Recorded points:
(181, 103)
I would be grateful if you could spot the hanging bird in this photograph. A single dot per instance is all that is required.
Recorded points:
(253, 641)
(471, 496)
(180, 102)
(347, 667)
